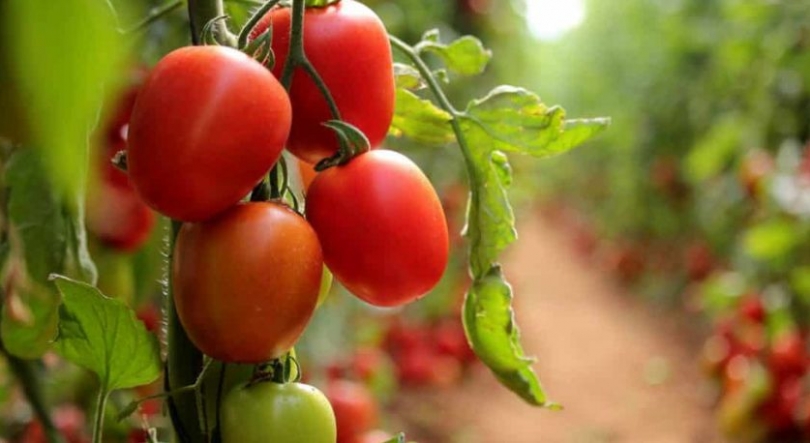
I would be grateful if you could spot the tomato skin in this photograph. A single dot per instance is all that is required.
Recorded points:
(381, 226)
(348, 45)
(355, 409)
(272, 412)
(246, 283)
(208, 123)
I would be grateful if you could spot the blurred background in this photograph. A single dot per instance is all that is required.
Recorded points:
(662, 275)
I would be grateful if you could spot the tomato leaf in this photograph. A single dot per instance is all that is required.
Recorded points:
(420, 120)
(465, 56)
(772, 240)
(104, 336)
(37, 247)
(407, 77)
(509, 119)
(62, 85)
(490, 324)
(516, 120)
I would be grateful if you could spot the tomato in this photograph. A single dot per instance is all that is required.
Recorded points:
(114, 211)
(307, 173)
(789, 357)
(382, 228)
(272, 412)
(355, 409)
(246, 282)
(208, 123)
(348, 45)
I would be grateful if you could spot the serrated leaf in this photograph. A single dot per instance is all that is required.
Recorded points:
(37, 248)
(465, 56)
(407, 77)
(420, 120)
(490, 325)
(62, 85)
(104, 336)
(516, 120)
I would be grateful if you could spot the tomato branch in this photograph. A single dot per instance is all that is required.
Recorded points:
(253, 21)
(101, 405)
(433, 84)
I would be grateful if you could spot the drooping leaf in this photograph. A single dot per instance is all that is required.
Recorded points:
(104, 336)
(495, 337)
(465, 56)
(420, 120)
(62, 54)
(516, 120)
(37, 245)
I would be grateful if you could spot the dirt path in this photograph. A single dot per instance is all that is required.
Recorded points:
(624, 372)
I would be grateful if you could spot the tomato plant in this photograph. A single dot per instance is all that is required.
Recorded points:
(382, 227)
(180, 160)
(289, 412)
(246, 283)
(244, 268)
(348, 46)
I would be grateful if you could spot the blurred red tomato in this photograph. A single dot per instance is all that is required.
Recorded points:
(356, 410)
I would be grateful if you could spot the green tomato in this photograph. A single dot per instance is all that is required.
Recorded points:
(270, 412)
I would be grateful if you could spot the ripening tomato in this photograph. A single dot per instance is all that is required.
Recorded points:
(271, 412)
(246, 282)
(208, 123)
(348, 45)
(382, 228)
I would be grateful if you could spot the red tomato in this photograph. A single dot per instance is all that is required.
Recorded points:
(208, 123)
(789, 357)
(382, 228)
(246, 282)
(114, 211)
(355, 409)
(348, 45)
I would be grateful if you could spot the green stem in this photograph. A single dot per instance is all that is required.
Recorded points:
(153, 15)
(200, 12)
(444, 103)
(297, 57)
(251, 23)
(101, 405)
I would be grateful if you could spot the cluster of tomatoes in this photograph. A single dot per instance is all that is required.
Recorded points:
(761, 374)
(201, 135)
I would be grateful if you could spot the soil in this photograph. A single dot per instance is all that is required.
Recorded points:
(624, 371)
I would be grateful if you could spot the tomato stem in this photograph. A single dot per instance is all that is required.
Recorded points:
(252, 21)
(200, 12)
(101, 405)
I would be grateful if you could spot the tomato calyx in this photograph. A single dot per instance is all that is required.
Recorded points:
(321, 3)
(281, 370)
(352, 143)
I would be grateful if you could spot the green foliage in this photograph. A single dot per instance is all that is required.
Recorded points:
(508, 120)
(104, 336)
(70, 51)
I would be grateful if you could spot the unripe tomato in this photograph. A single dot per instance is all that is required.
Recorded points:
(355, 409)
(208, 123)
(348, 45)
(246, 282)
(270, 412)
(382, 227)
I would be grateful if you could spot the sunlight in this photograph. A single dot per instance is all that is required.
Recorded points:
(550, 19)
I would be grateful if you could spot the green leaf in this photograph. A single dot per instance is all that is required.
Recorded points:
(771, 240)
(407, 77)
(516, 120)
(465, 56)
(490, 325)
(37, 246)
(420, 120)
(104, 336)
(62, 54)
